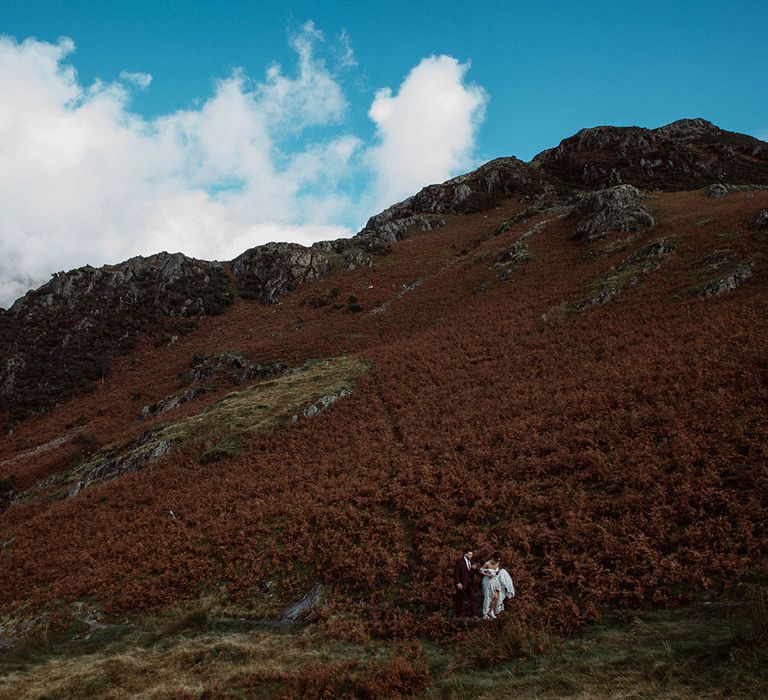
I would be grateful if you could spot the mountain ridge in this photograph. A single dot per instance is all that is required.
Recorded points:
(74, 309)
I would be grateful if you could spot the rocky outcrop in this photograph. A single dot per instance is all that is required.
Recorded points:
(626, 275)
(325, 402)
(123, 459)
(518, 252)
(169, 403)
(760, 222)
(717, 191)
(480, 189)
(729, 282)
(209, 372)
(685, 155)
(220, 429)
(720, 189)
(615, 209)
(269, 271)
(58, 338)
(229, 367)
(397, 230)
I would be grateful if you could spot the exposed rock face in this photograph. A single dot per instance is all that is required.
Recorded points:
(729, 282)
(325, 402)
(605, 211)
(687, 154)
(169, 403)
(626, 274)
(717, 190)
(481, 189)
(210, 372)
(647, 259)
(123, 459)
(518, 252)
(720, 189)
(228, 367)
(269, 271)
(398, 229)
(61, 336)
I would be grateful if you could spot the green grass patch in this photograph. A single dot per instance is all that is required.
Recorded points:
(701, 651)
(222, 428)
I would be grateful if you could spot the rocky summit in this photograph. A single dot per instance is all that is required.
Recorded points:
(562, 360)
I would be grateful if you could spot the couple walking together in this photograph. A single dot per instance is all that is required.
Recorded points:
(497, 585)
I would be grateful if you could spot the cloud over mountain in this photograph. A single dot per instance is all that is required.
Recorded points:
(427, 130)
(84, 179)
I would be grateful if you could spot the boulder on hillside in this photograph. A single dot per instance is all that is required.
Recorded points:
(717, 191)
(760, 222)
(728, 282)
(615, 209)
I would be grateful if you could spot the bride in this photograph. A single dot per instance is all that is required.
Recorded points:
(497, 586)
(491, 586)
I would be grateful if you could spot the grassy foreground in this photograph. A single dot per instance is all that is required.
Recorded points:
(709, 650)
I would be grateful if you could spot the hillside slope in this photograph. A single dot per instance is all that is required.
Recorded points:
(579, 380)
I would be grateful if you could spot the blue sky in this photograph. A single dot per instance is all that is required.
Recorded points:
(221, 150)
(550, 68)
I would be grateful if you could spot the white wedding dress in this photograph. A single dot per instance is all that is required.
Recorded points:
(507, 588)
(491, 585)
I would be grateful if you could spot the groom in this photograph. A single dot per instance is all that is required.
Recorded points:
(462, 584)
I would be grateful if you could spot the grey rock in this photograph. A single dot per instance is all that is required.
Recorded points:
(628, 273)
(269, 271)
(613, 209)
(88, 616)
(760, 222)
(303, 607)
(519, 252)
(686, 155)
(716, 260)
(598, 300)
(397, 230)
(325, 402)
(729, 282)
(717, 190)
(475, 191)
(355, 257)
(648, 258)
(169, 403)
(78, 320)
(123, 459)
(229, 367)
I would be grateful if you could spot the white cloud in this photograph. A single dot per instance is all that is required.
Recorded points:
(140, 80)
(345, 56)
(84, 180)
(426, 131)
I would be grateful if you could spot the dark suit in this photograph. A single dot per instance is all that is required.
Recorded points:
(463, 575)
